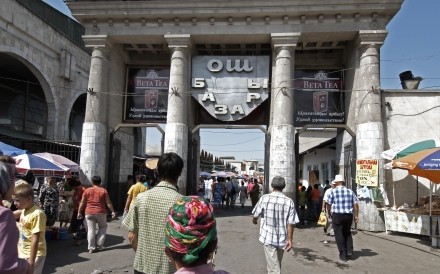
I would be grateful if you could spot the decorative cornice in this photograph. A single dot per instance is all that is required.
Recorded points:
(97, 41)
(371, 37)
(285, 39)
(178, 40)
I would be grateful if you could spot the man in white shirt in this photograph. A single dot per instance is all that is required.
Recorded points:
(278, 218)
(208, 190)
(324, 207)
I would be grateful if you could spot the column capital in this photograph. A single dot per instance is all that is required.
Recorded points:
(101, 42)
(178, 40)
(285, 39)
(371, 38)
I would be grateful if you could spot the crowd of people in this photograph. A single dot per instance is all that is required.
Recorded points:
(224, 191)
(187, 241)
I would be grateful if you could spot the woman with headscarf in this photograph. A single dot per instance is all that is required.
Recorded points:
(9, 261)
(49, 201)
(191, 236)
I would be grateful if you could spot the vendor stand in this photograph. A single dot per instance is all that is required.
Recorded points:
(423, 219)
(415, 220)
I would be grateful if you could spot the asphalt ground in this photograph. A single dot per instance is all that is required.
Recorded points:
(239, 251)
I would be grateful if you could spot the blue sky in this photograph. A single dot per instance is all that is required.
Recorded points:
(412, 44)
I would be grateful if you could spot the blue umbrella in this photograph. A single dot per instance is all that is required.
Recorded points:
(222, 174)
(6, 149)
(205, 174)
(35, 163)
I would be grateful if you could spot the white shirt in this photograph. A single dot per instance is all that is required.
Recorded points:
(327, 192)
(208, 189)
(277, 211)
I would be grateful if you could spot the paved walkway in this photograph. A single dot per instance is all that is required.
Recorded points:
(239, 251)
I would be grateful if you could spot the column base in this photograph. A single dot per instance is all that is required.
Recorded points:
(94, 150)
(176, 140)
(282, 157)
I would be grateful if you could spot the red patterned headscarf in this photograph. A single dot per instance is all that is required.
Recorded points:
(190, 227)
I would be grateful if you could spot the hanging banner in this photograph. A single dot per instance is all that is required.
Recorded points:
(367, 172)
(318, 98)
(147, 95)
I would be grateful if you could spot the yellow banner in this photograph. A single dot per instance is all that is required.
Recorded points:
(367, 172)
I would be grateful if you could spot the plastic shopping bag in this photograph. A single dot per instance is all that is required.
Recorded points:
(322, 221)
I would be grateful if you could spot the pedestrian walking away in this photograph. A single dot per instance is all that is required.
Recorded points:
(254, 192)
(134, 191)
(278, 220)
(328, 228)
(75, 223)
(242, 193)
(94, 201)
(145, 219)
(218, 192)
(343, 206)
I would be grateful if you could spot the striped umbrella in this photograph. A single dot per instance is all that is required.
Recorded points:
(425, 163)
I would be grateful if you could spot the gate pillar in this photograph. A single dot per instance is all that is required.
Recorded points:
(176, 131)
(282, 131)
(370, 129)
(95, 130)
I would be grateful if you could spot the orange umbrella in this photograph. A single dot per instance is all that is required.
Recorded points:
(425, 163)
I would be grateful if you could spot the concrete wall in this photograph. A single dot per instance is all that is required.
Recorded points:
(39, 46)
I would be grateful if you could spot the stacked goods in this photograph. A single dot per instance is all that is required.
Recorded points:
(423, 207)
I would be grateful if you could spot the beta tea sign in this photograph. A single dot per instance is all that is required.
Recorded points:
(230, 87)
(367, 172)
(147, 95)
(318, 98)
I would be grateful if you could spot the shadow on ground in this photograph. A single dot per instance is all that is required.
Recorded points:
(62, 253)
(232, 212)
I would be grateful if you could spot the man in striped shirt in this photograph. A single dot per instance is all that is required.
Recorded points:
(278, 217)
(344, 204)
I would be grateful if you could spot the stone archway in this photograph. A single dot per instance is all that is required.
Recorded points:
(21, 60)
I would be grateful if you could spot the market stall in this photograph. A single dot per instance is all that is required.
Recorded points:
(424, 218)
(416, 219)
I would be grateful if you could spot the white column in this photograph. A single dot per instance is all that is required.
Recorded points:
(369, 133)
(370, 129)
(176, 131)
(282, 140)
(93, 159)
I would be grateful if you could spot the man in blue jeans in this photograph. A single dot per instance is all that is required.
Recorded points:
(343, 204)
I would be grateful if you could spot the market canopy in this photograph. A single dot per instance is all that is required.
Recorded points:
(38, 165)
(405, 150)
(59, 160)
(6, 149)
(425, 163)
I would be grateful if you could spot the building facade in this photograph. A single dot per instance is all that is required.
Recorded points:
(288, 68)
(44, 71)
(282, 65)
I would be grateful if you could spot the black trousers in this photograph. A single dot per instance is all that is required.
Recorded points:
(342, 228)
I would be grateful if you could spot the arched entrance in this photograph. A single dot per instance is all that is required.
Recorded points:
(23, 102)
